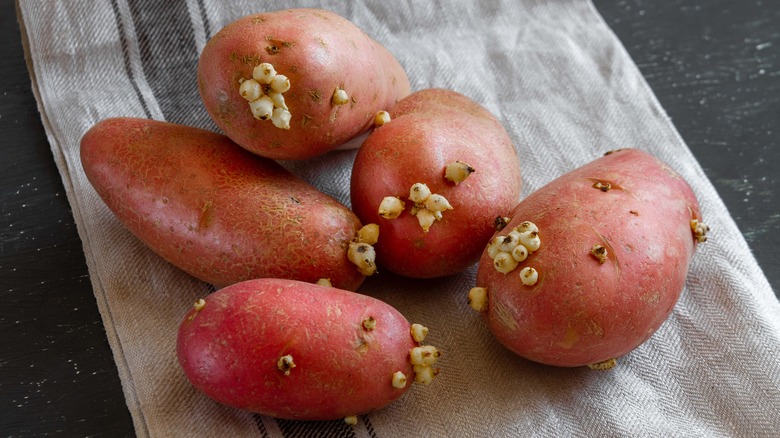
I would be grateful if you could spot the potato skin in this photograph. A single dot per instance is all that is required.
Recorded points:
(230, 349)
(214, 210)
(318, 51)
(580, 311)
(429, 130)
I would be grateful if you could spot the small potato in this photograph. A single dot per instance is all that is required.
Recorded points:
(334, 79)
(213, 209)
(614, 243)
(450, 170)
(295, 350)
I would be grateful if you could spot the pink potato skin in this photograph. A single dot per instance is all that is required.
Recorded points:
(582, 312)
(230, 350)
(318, 51)
(214, 210)
(429, 130)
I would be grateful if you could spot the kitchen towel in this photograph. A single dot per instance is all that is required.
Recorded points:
(564, 88)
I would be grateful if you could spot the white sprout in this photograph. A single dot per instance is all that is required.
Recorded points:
(530, 239)
(424, 374)
(437, 203)
(520, 253)
(250, 90)
(324, 282)
(278, 100)
(478, 298)
(426, 218)
(509, 242)
(264, 73)
(340, 97)
(281, 118)
(425, 355)
(504, 262)
(368, 234)
(280, 83)
(262, 108)
(363, 256)
(457, 172)
(527, 226)
(419, 193)
(200, 303)
(399, 380)
(391, 207)
(529, 276)
(419, 332)
(603, 365)
(381, 118)
(493, 245)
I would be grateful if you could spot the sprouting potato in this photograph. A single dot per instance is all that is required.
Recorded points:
(296, 83)
(613, 241)
(435, 177)
(215, 210)
(300, 351)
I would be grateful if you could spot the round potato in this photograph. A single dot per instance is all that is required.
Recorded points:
(602, 257)
(435, 178)
(296, 83)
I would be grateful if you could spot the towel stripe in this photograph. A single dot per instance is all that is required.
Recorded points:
(126, 57)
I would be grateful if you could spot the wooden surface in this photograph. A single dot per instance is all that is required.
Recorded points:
(714, 65)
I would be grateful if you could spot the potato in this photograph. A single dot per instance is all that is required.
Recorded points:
(606, 266)
(459, 152)
(330, 80)
(213, 209)
(299, 351)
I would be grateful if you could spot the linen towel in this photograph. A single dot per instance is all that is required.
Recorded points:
(564, 88)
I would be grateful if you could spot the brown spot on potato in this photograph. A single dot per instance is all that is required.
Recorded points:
(361, 345)
(569, 338)
(315, 95)
(250, 59)
(500, 222)
(206, 215)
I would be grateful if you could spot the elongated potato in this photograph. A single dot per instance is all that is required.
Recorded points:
(435, 178)
(300, 351)
(215, 210)
(296, 83)
(607, 249)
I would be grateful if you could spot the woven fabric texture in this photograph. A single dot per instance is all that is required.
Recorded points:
(564, 88)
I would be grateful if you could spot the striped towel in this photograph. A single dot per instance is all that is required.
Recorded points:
(566, 91)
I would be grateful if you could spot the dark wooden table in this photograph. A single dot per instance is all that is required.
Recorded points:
(714, 65)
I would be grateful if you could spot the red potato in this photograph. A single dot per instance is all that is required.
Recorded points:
(318, 52)
(427, 132)
(299, 351)
(615, 238)
(213, 209)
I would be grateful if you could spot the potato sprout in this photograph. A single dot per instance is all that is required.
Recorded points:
(264, 94)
